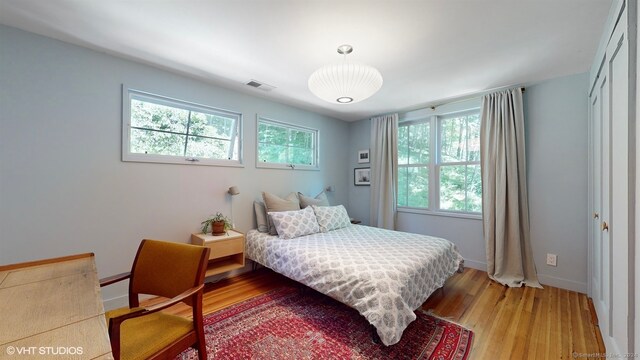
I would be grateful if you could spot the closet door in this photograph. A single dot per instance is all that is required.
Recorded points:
(618, 217)
(603, 301)
(596, 248)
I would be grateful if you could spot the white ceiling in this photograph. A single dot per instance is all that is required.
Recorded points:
(427, 51)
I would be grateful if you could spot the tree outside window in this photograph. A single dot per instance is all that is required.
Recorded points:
(439, 163)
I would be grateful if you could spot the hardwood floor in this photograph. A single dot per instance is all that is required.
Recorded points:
(508, 323)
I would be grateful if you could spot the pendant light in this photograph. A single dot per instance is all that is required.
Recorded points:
(345, 82)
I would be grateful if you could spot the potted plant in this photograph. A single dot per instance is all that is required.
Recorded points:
(219, 224)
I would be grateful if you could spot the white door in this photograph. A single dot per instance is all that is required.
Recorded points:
(596, 292)
(617, 56)
(603, 301)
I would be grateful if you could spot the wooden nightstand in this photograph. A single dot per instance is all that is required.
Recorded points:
(227, 251)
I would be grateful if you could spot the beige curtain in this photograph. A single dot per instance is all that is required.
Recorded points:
(384, 171)
(505, 208)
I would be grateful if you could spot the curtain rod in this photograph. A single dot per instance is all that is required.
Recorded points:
(462, 98)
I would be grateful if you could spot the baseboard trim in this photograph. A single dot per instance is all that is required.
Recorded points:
(478, 265)
(561, 283)
(116, 302)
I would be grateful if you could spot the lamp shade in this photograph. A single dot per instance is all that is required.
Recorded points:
(345, 82)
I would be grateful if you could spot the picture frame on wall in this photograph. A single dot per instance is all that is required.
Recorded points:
(362, 176)
(363, 156)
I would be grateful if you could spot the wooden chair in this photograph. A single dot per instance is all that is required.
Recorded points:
(171, 270)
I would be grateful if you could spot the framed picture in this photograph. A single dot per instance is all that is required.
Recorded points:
(362, 176)
(363, 156)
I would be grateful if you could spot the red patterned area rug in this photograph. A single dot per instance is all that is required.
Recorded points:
(285, 324)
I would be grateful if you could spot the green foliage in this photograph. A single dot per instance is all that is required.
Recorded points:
(284, 145)
(459, 172)
(218, 217)
(164, 130)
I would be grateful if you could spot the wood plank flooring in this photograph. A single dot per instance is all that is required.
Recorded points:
(508, 323)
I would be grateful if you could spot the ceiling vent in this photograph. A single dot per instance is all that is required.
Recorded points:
(258, 85)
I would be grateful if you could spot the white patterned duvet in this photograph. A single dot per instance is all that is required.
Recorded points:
(383, 274)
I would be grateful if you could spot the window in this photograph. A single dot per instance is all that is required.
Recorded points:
(439, 163)
(283, 145)
(414, 164)
(160, 129)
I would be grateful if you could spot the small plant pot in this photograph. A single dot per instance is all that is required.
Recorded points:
(217, 228)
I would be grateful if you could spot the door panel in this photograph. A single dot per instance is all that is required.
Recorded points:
(604, 313)
(596, 194)
(617, 54)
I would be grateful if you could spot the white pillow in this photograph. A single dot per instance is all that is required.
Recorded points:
(292, 224)
(331, 217)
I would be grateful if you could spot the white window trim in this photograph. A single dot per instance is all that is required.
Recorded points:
(454, 214)
(435, 164)
(278, 166)
(129, 93)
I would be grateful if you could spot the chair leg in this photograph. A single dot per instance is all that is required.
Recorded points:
(202, 348)
(199, 326)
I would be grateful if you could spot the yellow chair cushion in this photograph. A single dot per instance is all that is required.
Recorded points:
(144, 336)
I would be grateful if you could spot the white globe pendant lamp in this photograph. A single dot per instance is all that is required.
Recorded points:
(345, 82)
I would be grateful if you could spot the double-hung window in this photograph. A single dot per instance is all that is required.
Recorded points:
(458, 166)
(161, 129)
(282, 145)
(439, 163)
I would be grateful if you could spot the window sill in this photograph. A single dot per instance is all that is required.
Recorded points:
(179, 160)
(285, 167)
(439, 213)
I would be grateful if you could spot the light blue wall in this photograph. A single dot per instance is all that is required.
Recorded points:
(359, 196)
(556, 122)
(63, 188)
(556, 136)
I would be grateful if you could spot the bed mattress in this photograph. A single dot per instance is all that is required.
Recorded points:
(385, 275)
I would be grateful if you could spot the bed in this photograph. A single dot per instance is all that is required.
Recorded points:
(385, 275)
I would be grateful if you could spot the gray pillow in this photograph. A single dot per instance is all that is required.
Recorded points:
(261, 216)
(319, 200)
(275, 203)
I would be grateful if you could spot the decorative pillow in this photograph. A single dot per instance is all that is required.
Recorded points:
(274, 203)
(261, 216)
(320, 200)
(331, 217)
(292, 224)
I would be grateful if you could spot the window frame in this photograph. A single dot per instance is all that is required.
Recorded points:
(435, 164)
(430, 165)
(270, 165)
(439, 163)
(129, 94)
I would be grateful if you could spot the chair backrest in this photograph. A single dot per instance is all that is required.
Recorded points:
(166, 269)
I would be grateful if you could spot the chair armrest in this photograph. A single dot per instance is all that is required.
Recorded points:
(115, 322)
(174, 300)
(114, 279)
(157, 307)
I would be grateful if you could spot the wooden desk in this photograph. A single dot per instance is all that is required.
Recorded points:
(52, 309)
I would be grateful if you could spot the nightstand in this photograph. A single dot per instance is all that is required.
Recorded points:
(227, 251)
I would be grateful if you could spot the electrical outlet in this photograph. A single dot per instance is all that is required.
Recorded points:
(552, 259)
